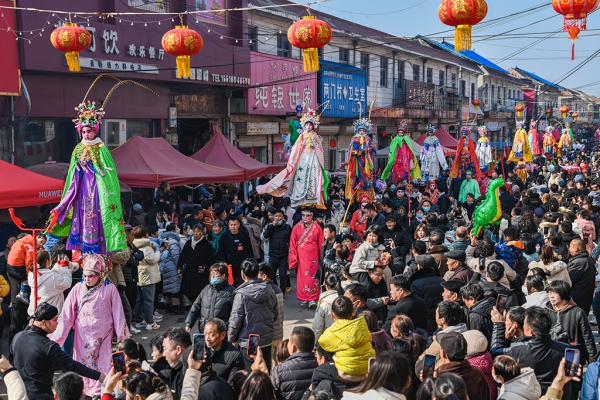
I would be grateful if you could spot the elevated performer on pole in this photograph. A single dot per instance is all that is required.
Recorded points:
(402, 161)
(466, 157)
(359, 167)
(534, 139)
(521, 149)
(432, 155)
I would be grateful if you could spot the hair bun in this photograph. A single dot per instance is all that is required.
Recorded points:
(158, 384)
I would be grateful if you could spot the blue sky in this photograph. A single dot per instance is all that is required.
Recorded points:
(550, 58)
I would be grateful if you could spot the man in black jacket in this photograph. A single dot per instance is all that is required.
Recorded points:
(373, 217)
(406, 303)
(293, 376)
(326, 376)
(175, 344)
(397, 242)
(36, 357)
(480, 308)
(278, 233)
(495, 272)
(235, 247)
(425, 283)
(226, 358)
(582, 271)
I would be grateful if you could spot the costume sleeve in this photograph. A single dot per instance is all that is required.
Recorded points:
(67, 317)
(118, 315)
(440, 156)
(62, 360)
(293, 259)
(391, 158)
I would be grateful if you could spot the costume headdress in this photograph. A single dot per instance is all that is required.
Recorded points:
(430, 129)
(550, 129)
(521, 125)
(310, 115)
(465, 130)
(362, 123)
(483, 130)
(94, 263)
(533, 124)
(88, 115)
(403, 127)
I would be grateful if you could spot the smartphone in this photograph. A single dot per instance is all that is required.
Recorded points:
(118, 361)
(501, 302)
(572, 362)
(253, 343)
(199, 346)
(428, 365)
(546, 229)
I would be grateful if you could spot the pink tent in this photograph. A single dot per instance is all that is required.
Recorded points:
(448, 143)
(220, 152)
(146, 162)
(22, 188)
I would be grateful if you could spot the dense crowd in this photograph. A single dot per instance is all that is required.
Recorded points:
(409, 301)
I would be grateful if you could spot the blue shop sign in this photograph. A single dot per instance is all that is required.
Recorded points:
(343, 86)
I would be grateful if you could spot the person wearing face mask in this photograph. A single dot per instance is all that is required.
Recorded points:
(214, 301)
(469, 185)
(369, 255)
(360, 217)
(338, 210)
(278, 233)
(306, 243)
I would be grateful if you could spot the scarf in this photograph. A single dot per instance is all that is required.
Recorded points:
(194, 242)
(216, 238)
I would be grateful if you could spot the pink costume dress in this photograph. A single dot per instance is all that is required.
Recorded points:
(305, 253)
(95, 315)
(534, 140)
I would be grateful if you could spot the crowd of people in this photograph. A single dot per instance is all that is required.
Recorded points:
(410, 301)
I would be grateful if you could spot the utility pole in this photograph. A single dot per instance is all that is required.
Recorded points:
(460, 101)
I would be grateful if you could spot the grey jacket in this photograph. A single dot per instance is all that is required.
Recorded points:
(171, 279)
(323, 319)
(278, 330)
(254, 311)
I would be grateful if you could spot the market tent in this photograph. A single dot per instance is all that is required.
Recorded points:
(146, 162)
(22, 188)
(383, 153)
(220, 152)
(448, 143)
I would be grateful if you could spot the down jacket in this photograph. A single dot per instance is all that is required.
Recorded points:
(214, 301)
(323, 319)
(254, 310)
(350, 340)
(51, 285)
(278, 326)
(557, 270)
(293, 376)
(148, 270)
(171, 279)
(523, 387)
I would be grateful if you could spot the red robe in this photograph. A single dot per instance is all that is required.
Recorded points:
(358, 223)
(473, 159)
(305, 254)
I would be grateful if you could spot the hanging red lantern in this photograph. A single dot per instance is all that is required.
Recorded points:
(590, 115)
(476, 103)
(183, 43)
(462, 14)
(519, 108)
(309, 34)
(548, 112)
(575, 115)
(71, 39)
(575, 17)
(564, 110)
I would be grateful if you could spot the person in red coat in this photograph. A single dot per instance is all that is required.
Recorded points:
(466, 158)
(305, 252)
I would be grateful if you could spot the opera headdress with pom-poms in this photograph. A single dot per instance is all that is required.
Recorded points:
(88, 115)
(312, 116)
(362, 123)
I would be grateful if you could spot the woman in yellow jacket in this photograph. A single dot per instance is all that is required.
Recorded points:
(4, 291)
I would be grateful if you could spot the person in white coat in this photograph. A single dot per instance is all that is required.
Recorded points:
(517, 383)
(51, 282)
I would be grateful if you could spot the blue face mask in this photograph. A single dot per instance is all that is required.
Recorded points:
(426, 209)
(215, 281)
(375, 244)
(336, 204)
(345, 230)
(419, 217)
(393, 187)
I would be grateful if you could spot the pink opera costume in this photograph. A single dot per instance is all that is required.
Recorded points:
(306, 244)
(359, 164)
(483, 150)
(95, 313)
(402, 161)
(304, 178)
(534, 139)
(432, 156)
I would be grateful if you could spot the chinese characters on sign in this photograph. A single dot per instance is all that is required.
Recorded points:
(344, 87)
(111, 65)
(212, 11)
(280, 83)
(420, 95)
(110, 46)
(197, 74)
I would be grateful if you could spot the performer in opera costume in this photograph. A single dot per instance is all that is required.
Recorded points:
(549, 143)
(432, 155)
(90, 213)
(359, 167)
(520, 147)
(402, 161)
(484, 149)
(466, 157)
(564, 143)
(521, 170)
(598, 135)
(534, 139)
(304, 178)
(469, 185)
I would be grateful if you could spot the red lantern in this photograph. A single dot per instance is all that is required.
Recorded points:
(548, 112)
(575, 17)
(71, 39)
(309, 34)
(575, 115)
(462, 14)
(590, 115)
(183, 43)
(564, 110)
(519, 108)
(476, 103)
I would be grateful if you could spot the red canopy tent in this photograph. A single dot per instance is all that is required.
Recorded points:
(22, 188)
(448, 143)
(146, 162)
(219, 151)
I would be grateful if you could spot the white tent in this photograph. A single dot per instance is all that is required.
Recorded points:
(383, 153)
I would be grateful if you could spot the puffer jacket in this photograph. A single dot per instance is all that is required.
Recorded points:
(523, 387)
(214, 301)
(323, 319)
(480, 318)
(589, 388)
(557, 270)
(576, 324)
(51, 285)
(148, 269)
(254, 229)
(171, 279)
(484, 362)
(582, 270)
(293, 376)
(116, 275)
(278, 326)
(254, 310)
(364, 257)
(279, 239)
(350, 340)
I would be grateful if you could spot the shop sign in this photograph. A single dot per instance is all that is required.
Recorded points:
(112, 65)
(279, 85)
(197, 74)
(343, 87)
(379, 112)
(194, 104)
(262, 128)
(333, 143)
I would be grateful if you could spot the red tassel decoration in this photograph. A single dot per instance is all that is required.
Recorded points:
(53, 220)
(573, 51)
(229, 274)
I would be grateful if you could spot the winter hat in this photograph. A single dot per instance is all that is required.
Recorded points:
(539, 212)
(476, 342)
(137, 207)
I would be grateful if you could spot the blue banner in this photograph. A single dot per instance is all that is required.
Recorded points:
(343, 86)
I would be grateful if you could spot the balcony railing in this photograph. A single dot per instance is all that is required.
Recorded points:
(424, 96)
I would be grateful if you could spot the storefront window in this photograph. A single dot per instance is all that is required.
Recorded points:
(38, 141)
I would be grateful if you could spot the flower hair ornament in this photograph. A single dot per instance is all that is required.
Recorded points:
(533, 124)
(465, 130)
(94, 263)
(88, 115)
(430, 129)
(311, 116)
(362, 123)
(483, 130)
(402, 128)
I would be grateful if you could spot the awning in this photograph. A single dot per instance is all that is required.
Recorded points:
(22, 188)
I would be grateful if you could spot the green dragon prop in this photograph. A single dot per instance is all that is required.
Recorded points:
(489, 212)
